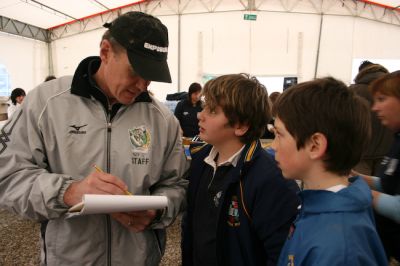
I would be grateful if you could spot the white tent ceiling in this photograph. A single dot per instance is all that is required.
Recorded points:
(51, 13)
(48, 14)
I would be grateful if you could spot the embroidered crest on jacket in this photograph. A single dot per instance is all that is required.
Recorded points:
(233, 212)
(290, 260)
(140, 139)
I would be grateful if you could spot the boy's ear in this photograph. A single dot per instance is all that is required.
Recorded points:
(317, 145)
(241, 129)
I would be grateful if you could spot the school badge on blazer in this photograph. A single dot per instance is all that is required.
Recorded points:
(290, 260)
(233, 212)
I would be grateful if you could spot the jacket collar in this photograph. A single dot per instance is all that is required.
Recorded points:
(250, 152)
(84, 85)
(211, 158)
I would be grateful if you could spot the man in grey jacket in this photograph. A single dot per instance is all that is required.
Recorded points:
(102, 115)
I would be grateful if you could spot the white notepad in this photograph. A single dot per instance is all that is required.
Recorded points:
(96, 204)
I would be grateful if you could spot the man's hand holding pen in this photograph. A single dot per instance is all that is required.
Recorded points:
(99, 182)
(95, 183)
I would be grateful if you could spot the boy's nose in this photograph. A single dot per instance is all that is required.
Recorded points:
(200, 115)
(273, 144)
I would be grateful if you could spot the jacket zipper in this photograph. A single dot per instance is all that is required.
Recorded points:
(108, 171)
(158, 242)
(108, 167)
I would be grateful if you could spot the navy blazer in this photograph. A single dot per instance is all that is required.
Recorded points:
(257, 209)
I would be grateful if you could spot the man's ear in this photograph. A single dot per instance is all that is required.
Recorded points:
(316, 146)
(241, 129)
(105, 50)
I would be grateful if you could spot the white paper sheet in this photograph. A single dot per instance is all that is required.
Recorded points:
(95, 204)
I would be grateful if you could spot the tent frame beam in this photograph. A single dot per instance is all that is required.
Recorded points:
(19, 28)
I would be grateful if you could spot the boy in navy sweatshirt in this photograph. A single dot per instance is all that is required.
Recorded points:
(240, 208)
(321, 128)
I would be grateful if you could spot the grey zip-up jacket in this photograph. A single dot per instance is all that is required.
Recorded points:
(56, 138)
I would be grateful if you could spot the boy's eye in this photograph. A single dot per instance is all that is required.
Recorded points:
(209, 109)
(212, 111)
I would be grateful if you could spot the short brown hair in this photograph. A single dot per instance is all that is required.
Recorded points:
(327, 106)
(388, 84)
(274, 96)
(114, 44)
(243, 99)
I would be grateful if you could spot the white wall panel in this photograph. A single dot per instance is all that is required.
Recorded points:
(336, 49)
(26, 60)
(275, 44)
(376, 40)
(69, 51)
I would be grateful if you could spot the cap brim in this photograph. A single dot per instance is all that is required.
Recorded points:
(150, 69)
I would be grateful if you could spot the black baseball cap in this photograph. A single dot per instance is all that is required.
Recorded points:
(145, 39)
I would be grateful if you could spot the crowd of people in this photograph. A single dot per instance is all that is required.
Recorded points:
(240, 204)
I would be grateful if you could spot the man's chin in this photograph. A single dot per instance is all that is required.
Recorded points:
(127, 101)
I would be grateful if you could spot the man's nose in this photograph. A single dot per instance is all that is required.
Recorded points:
(142, 84)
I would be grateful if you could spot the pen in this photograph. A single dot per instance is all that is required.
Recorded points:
(98, 169)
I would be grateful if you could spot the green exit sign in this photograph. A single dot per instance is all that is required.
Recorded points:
(250, 17)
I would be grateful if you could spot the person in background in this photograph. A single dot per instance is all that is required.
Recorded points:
(186, 111)
(102, 115)
(364, 64)
(386, 185)
(381, 136)
(240, 208)
(269, 132)
(321, 128)
(17, 97)
(50, 77)
(273, 97)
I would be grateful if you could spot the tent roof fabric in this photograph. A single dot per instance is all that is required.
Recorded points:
(49, 14)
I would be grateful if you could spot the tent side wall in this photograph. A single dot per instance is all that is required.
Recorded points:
(347, 38)
(69, 51)
(26, 60)
(298, 42)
